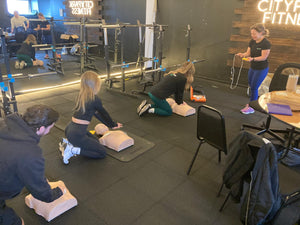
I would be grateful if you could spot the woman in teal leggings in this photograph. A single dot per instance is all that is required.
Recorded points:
(175, 82)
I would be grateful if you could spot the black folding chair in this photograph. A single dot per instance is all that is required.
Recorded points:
(210, 129)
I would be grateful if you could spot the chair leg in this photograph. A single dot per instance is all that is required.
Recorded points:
(193, 160)
(226, 199)
(219, 193)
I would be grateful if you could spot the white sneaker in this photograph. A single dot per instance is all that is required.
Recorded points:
(144, 109)
(66, 150)
(17, 64)
(22, 65)
(144, 102)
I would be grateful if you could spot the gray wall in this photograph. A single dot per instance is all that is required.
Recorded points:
(211, 22)
(128, 11)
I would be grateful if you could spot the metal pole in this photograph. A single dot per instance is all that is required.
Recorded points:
(160, 53)
(188, 35)
(122, 43)
(106, 49)
(117, 32)
(5, 103)
(81, 45)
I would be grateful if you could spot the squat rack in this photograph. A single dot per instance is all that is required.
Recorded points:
(7, 92)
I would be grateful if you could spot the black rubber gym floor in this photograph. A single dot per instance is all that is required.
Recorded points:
(153, 188)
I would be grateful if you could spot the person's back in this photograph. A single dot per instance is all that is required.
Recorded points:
(20, 147)
(27, 49)
(21, 159)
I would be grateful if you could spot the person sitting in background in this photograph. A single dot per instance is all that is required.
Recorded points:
(21, 159)
(26, 54)
(18, 26)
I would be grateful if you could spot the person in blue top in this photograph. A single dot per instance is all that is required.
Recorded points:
(174, 83)
(79, 140)
(257, 54)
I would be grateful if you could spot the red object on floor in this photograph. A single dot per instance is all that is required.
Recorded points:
(196, 98)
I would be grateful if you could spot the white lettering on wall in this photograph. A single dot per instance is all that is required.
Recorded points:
(280, 11)
(81, 7)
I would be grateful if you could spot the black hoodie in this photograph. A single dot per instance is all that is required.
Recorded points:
(22, 162)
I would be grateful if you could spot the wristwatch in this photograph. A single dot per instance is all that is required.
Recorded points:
(253, 59)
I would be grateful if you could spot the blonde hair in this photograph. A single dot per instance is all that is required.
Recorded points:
(260, 28)
(188, 70)
(89, 86)
(30, 39)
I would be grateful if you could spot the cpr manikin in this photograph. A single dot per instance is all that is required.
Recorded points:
(182, 109)
(53, 209)
(116, 140)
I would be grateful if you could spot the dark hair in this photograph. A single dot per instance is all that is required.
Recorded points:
(259, 27)
(40, 115)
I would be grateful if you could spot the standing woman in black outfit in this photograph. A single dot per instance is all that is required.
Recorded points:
(175, 82)
(79, 140)
(257, 54)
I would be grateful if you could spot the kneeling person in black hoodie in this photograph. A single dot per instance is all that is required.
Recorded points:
(21, 159)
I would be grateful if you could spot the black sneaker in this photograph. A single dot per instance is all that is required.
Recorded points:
(144, 102)
(144, 109)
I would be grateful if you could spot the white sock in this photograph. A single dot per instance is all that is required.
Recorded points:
(151, 110)
(76, 150)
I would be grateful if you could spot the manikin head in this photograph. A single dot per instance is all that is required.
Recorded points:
(16, 14)
(258, 32)
(101, 129)
(40, 118)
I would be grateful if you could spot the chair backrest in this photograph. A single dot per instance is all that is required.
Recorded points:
(281, 75)
(211, 127)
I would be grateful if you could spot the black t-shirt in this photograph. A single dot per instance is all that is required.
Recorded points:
(170, 84)
(43, 24)
(256, 49)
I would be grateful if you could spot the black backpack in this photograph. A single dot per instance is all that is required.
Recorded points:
(289, 211)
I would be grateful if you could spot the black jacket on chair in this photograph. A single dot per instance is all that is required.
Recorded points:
(253, 158)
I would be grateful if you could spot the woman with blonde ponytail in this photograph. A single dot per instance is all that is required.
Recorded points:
(175, 82)
(257, 54)
(79, 140)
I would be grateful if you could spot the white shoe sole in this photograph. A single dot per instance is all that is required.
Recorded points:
(144, 109)
(144, 102)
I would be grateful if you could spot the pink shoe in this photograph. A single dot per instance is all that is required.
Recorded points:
(247, 110)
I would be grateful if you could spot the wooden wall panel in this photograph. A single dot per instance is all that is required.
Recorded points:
(285, 39)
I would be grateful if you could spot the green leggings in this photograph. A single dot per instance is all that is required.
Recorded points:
(161, 106)
(25, 58)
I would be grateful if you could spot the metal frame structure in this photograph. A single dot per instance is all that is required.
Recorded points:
(7, 92)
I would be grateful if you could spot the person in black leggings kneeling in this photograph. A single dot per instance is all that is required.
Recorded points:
(79, 140)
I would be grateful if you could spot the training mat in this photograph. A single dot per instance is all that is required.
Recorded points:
(141, 145)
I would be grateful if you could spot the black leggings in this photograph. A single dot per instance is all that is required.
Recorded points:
(89, 145)
(8, 215)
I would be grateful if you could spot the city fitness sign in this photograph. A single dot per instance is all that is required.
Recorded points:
(81, 7)
(280, 11)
